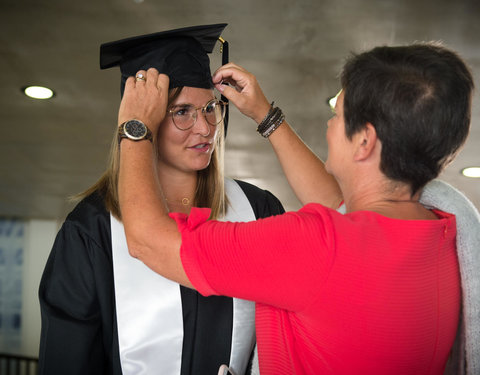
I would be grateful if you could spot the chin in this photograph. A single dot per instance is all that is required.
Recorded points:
(201, 166)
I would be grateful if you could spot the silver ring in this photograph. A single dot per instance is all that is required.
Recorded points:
(140, 77)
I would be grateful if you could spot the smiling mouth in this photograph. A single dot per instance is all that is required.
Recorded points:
(201, 147)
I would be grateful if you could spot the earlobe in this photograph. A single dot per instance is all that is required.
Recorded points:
(366, 141)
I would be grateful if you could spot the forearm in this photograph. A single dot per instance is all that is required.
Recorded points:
(152, 236)
(305, 172)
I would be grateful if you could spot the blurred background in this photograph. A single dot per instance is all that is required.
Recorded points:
(53, 149)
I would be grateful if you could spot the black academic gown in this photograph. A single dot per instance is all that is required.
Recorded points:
(77, 300)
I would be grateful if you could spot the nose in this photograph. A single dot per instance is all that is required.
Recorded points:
(201, 126)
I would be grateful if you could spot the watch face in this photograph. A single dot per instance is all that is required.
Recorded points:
(135, 129)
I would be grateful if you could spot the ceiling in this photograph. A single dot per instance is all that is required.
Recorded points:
(53, 149)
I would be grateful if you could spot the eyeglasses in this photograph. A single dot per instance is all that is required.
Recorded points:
(184, 116)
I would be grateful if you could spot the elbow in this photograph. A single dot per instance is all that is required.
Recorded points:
(134, 252)
(138, 241)
(158, 247)
(135, 246)
(152, 243)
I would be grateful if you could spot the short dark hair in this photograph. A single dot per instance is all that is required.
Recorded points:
(418, 98)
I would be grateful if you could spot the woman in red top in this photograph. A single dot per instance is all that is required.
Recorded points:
(374, 291)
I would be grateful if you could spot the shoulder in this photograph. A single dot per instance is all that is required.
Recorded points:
(315, 213)
(262, 201)
(92, 204)
(80, 260)
(90, 218)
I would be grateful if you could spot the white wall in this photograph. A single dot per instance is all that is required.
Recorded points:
(40, 235)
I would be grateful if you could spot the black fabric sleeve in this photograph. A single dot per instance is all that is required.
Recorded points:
(71, 338)
(263, 202)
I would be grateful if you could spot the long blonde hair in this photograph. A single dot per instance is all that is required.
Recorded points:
(209, 192)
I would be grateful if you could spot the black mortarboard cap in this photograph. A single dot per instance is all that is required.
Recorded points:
(182, 54)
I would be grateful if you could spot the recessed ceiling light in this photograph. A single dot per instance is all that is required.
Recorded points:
(38, 92)
(333, 100)
(473, 172)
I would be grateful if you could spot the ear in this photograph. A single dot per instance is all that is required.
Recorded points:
(366, 141)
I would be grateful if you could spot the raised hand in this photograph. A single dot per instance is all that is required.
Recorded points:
(145, 98)
(244, 91)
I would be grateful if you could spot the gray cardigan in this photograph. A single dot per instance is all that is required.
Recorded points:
(465, 356)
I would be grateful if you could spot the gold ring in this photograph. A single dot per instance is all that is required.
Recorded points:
(140, 77)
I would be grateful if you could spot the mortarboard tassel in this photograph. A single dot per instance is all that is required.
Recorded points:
(224, 51)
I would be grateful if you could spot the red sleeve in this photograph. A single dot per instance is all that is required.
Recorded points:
(279, 260)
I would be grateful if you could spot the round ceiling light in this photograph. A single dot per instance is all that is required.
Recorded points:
(473, 172)
(38, 92)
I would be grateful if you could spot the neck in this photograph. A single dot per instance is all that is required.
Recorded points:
(178, 189)
(389, 199)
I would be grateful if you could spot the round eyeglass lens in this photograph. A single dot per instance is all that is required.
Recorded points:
(214, 112)
(184, 116)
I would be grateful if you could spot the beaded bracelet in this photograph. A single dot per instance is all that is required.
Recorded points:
(274, 126)
(268, 120)
(271, 122)
(267, 115)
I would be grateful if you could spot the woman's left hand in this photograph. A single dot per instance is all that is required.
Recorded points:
(145, 99)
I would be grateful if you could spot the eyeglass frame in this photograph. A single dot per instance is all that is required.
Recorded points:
(171, 111)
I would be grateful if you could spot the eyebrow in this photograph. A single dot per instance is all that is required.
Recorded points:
(187, 104)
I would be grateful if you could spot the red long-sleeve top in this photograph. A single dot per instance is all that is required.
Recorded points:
(336, 294)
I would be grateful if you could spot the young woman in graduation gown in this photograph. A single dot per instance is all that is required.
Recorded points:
(104, 312)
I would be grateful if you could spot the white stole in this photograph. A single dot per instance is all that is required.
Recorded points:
(149, 307)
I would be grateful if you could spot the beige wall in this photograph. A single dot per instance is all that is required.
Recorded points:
(40, 235)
